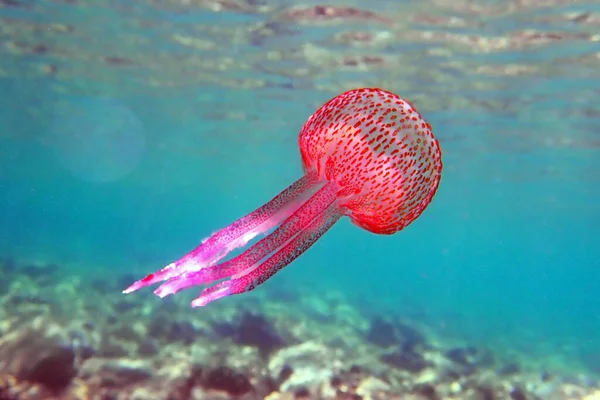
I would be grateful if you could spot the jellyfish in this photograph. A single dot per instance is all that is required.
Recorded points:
(367, 154)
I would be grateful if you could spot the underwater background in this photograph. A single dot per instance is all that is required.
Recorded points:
(130, 131)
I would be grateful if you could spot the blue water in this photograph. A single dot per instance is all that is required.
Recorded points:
(506, 255)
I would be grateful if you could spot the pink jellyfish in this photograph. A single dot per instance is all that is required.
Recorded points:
(367, 154)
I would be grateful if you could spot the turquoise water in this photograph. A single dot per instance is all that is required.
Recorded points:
(210, 104)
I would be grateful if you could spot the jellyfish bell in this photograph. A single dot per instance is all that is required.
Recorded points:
(97, 139)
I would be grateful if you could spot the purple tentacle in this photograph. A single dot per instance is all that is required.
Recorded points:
(248, 260)
(285, 255)
(238, 234)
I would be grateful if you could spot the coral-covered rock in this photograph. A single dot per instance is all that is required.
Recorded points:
(226, 380)
(182, 331)
(118, 373)
(405, 360)
(255, 330)
(382, 333)
(468, 359)
(8, 387)
(509, 369)
(311, 365)
(385, 334)
(518, 393)
(252, 330)
(372, 387)
(43, 274)
(148, 347)
(41, 351)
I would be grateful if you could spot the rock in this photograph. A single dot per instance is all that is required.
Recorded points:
(302, 393)
(165, 327)
(182, 331)
(333, 307)
(41, 273)
(124, 306)
(100, 285)
(386, 334)
(117, 373)
(411, 338)
(461, 355)
(82, 343)
(266, 385)
(370, 387)
(252, 330)
(158, 328)
(335, 381)
(18, 300)
(285, 373)
(167, 306)
(483, 392)
(518, 394)
(125, 332)
(405, 360)
(546, 376)
(427, 391)
(509, 369)
(113, 350)
(9, 387)
(382, 333)
(468, 359)
(255, 330)
(355, 369)
(224, 329)
(312, 365)
(41, 351)
(227, 380)
(148, 347)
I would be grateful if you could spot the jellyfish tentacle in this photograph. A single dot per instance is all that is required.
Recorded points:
(284, 256)
(248, 260)
(237, 234)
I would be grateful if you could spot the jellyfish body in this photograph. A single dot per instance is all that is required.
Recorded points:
(367, 154)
